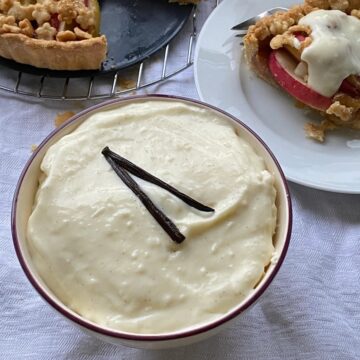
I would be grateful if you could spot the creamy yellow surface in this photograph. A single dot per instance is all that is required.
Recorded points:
(101, 252)
(334, 53)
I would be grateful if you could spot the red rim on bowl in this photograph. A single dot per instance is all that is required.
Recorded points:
(143, 337)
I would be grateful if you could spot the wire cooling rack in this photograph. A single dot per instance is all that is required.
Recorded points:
(107, 85)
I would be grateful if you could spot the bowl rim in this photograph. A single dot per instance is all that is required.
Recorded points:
(87, 324)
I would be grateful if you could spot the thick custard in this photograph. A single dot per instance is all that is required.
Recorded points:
(104, 256)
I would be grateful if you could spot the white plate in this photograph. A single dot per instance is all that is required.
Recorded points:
(223, 79)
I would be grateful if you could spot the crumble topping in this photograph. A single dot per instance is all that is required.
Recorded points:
(26, 27)
(317, 131)
(63, 20)
(62, 117)
(289, 38)
(46, 32)
(41, 14)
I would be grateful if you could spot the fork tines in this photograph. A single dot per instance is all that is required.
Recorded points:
(242, 27)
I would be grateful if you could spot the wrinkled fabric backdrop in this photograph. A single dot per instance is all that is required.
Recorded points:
(311, 310)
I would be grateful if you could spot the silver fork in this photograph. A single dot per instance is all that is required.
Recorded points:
(244, 25)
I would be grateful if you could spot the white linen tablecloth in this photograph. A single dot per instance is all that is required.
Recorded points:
(311, 310)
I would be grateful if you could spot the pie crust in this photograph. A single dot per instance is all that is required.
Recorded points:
(271, 33)
(72, 55)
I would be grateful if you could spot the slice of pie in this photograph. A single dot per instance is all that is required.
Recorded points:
(53, 34)
(312, 52)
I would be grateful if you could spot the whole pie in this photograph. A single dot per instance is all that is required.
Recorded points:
(53, 34)
(312, 52)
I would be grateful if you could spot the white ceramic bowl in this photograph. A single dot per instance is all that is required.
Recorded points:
(23, 202)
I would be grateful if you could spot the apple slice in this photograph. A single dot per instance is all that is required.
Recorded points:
(300, 36)
(54, 21)
(351, 86)
(282, 66)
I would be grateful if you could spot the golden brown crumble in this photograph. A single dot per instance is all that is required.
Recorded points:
(21, 12)
(11, 29)
(343, 112)
(5, 5)
(62, 117)
(66, 35)
(26, 28)
(41, 14)
(49, 19)
(9, 20)
(288, 38)
(80, 34)
(343, 5)
(85, 18)
(317, 131)
(126, 83)
(356, 13)
(46, 32)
